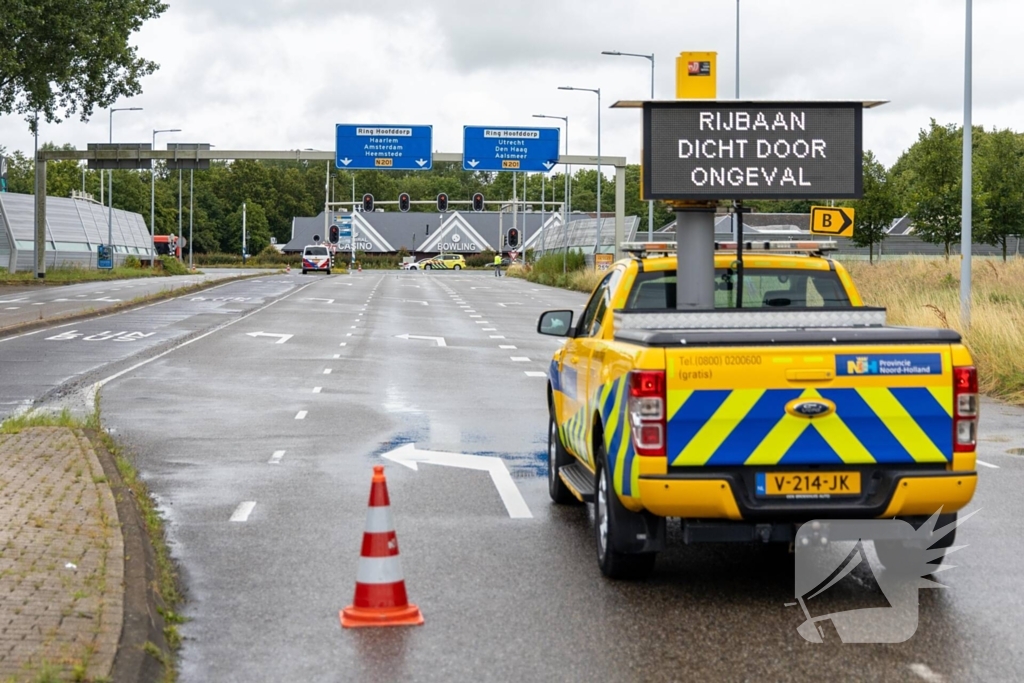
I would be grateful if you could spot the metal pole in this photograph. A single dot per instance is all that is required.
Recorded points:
(566, 201)
(39, 265)
(110, 194)
(243, 233)
(597, 247)
(695, 260)
(179, 215)
(191, 206)
(152, 207)
(965, 219)
(544, 234)
(737, 49)
(650, 202)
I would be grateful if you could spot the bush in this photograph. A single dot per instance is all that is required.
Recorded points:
(173, 266)
(482, 260)
(132, 262)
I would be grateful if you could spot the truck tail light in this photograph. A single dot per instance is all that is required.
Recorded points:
(647, 411)
(965, 408)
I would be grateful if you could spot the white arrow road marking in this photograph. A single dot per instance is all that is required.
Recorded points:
(410, 456)
(243, 511)
(275, 459)
(440, 340)
(330, 301)
(282, 338)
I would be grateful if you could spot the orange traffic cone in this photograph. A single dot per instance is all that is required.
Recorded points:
(380, 598)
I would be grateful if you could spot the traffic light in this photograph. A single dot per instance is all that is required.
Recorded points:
(403, 202)
(478, 201)
(367, 203)
(513, 238)
(442, 202)
(334, 234)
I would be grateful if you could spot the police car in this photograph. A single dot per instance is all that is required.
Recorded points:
(316, 257)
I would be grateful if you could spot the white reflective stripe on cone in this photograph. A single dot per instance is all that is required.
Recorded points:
(378, 520)
(379, 570)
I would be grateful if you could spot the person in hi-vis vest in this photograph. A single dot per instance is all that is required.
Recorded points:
(497, 265)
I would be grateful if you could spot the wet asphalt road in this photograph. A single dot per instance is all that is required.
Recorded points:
(21, 304)
(216, 424)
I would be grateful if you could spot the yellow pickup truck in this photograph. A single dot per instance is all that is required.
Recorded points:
(746, 422)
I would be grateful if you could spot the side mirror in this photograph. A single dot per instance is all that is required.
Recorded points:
(555, 323)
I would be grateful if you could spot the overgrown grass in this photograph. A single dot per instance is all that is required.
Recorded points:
(568, 271)
(19, 423)
(922, 292)
(67, 274)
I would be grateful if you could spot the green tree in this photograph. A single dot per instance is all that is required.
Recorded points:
(877, 209)
(928, 179)
(257, 230)
(1001, 172)
(61, 57)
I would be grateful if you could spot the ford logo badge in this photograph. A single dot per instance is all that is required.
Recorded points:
(815, 407)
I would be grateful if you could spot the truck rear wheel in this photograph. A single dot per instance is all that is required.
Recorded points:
(558, 458)
(608, 514)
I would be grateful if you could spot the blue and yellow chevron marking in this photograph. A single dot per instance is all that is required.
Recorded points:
(618, 442)
(752, 427)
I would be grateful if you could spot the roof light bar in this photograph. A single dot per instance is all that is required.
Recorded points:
(781, 246)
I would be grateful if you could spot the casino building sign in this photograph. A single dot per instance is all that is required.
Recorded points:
(699, 150)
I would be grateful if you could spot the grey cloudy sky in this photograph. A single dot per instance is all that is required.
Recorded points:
(278, 74)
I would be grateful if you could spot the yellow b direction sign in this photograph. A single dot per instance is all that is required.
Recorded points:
(832, 220)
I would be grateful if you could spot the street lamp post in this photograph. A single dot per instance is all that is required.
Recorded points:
(965, 192)
(650, 203)
(110, 185)
(596, 91)
(152, 195)
(565, 190)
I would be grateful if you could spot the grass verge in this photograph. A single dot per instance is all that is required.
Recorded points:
(921, 292)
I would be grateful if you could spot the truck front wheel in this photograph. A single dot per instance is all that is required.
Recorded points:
(609, 514)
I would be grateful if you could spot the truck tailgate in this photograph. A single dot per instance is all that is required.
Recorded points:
(826, 401)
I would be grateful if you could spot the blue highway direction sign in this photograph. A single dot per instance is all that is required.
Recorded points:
(399, 148)
(497, 148)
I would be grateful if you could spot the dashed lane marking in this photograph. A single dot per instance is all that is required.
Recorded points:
(497, 336)
(301, 415)
(317, 390)
(275, 459)
(924, 672)
(534, 373)
(327, 371)
(519, 359)
(242, 512)
(506, 346)
(987, 464)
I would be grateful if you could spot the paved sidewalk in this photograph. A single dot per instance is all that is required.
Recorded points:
(61, 558)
